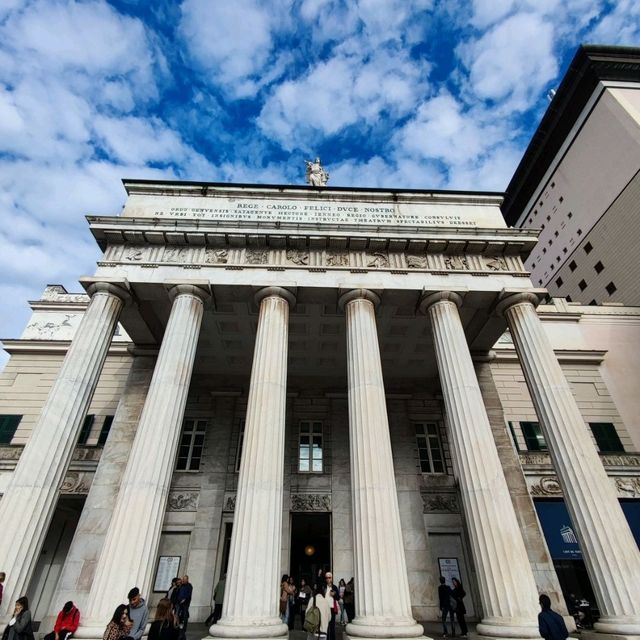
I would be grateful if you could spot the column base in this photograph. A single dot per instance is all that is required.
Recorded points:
(258, 629)
(513, 629)
(90, 631)
(363, 629)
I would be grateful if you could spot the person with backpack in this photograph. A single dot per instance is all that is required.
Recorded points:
(317, 617)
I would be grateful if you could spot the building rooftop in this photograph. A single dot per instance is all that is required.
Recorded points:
(591, 65)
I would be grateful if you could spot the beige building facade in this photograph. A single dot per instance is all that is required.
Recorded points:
(265, 380)
(579, 181)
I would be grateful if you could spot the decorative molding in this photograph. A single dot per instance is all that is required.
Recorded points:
(87, 454)
(76, 483)
(440, 503)
(12, 453)
(310, 502)
(229, 503)
(183, 501)
(609, 460)
(628, 487)
(546, 486)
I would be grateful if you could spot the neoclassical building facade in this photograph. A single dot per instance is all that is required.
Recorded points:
(264, 380)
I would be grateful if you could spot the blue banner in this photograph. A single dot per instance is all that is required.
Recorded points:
(558, 530)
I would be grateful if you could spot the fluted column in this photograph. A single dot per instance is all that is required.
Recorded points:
(507, 586)
(129, 552)
(383, 605)
(253, 575)
(31, 496)
(609, 549)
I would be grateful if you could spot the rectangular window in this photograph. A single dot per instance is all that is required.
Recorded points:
(310, 447)
(588, 248)
(429, 447)
(8, 426)
(191, 445)
(104, 431)
(85, 432)
(533, 436)
(559, 282)
(582, 284)
(611, 288)
(606, 437)
(572, 265)
(569, 215)
(599, 267)
(240, 444)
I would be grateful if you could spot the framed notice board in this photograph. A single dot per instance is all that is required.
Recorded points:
(168, 567)
(449, 569)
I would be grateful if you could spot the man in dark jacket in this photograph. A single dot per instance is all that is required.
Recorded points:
(444, 599)
(185, 591)
(551, 624)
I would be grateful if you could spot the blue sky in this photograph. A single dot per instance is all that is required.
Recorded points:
(401, 93)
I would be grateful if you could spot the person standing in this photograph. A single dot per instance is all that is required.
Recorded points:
(67, 623)
(284, 599)
(551, 624)
(444, 598)
(349, 600)
(331, 595)
(20, 627)
(185, 591)
(138, 613)
(304, 596)
(293, 608)
(120, 624)
(458, 593)
(218, 599)
(319, 601)
(165, 624)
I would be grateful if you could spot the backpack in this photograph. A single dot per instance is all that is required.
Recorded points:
(312, 618)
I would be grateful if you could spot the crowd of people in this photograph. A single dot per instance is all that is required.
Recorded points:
(319, 607)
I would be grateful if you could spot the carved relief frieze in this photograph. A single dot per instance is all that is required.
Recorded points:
(377, 260)
(417, 262)
(87, 454)
(256, 256)
(310, 502)
(229, 502)
(216, 256)
(297, 256)
(628, 487)
(620, 460)
(76, 483)
(10, 453)
(440, 503)
(456, 263)
(337, 259)
(496, 263)
(181, 500)
(537, 459)
(546, 486)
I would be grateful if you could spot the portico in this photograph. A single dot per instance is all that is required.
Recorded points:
(382, 295)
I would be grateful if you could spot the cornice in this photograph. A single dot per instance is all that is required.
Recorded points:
(564, 356)
(53, 347)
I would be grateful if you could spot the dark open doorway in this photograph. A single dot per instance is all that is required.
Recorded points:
(310, 544)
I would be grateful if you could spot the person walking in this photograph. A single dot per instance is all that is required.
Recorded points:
(67, 623)
(444, 599)
(165, 623)
(120, 624)
(319, 601)
(138, 613)
(20, 626)
(458, 593)
(331, 595)
(550, 624)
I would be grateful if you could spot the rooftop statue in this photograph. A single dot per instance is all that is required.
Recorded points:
(316, 175)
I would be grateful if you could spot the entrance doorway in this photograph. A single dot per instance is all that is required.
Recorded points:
(310, 545)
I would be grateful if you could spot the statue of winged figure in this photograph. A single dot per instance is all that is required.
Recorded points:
(316, 175)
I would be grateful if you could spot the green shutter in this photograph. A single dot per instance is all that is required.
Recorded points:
(8, 426)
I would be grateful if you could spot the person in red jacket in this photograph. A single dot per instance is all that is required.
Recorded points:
(66, 624)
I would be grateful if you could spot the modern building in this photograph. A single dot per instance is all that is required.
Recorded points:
(579, 181)
(263, 380)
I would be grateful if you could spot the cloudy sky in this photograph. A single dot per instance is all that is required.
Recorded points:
(428, 94)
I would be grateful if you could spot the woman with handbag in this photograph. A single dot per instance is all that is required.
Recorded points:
(458, 594)
(19, 627)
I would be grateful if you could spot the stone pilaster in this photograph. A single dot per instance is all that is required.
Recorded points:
(609, 549)
(507, 587)
(129, 552)
(251, 596)
(31, 497)
(383, 605)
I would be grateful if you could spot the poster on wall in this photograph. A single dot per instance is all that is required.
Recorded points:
(449, 569)
(168, 567)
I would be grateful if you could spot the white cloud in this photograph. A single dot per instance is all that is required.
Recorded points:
(622, 25)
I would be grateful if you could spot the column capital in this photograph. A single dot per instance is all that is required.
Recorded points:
(357, 294)
(118, 288)
(509, 298)
(429, 299)
(279, 292)
(187, 289)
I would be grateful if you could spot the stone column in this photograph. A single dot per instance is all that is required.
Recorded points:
(129, 552)
(31, 497)
(507, 587)
(609, 549)
(383, 604)
(253, 576)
